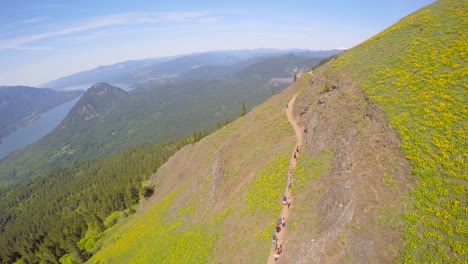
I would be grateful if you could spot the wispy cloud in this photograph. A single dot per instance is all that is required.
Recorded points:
(34, 48)
(31, 20)
(103, 22)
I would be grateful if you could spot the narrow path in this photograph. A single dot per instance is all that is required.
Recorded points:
(292, 164)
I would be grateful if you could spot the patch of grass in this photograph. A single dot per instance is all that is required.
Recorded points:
(266, 192)
(388, 179)
(231, 172)
(303, 219)
(309, 168)
(220, 218)
(417, 72)
(149, 239)
(90, 239)
(111, 219)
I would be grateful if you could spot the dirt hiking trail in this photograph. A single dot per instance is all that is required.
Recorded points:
(292, 164)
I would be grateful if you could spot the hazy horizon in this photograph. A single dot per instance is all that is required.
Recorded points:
(43, 41)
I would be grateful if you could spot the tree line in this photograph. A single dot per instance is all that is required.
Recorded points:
(46, 218)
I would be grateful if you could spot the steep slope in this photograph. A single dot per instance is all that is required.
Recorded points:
(381, 176)
(213, 196)
(345, 215)
(416, 71)
(20, 105)
(228, 187)
(61, 213)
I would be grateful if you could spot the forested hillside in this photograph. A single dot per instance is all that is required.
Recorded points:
(62, 213)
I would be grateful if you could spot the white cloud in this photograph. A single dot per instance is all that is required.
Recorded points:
(31, 20)
(33, 48)
(116, 21)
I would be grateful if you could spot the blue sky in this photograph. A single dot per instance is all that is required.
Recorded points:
(45, 40)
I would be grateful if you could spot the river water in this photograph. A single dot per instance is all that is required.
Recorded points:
(36, 130)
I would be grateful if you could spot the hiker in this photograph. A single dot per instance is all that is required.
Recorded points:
(278, 221)
(283, 222)
(294, 154)
(276, 256)
(297, 148)
(286, 105)
(289, 184)
(275, 242)
(285, 200)
(280, 249)
(289, 204)
(278, 229)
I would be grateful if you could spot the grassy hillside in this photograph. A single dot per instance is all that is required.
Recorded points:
(61, 214)
(213, 200)
(417, 71)
(381, 176)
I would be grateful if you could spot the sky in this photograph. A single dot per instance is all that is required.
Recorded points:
(45, 40)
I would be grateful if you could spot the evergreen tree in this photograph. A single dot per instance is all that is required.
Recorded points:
(243, 109)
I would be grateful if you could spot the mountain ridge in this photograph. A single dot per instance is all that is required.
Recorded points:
(97, 99)
(129, 72)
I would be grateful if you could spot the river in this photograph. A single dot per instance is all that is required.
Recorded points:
(36, 130)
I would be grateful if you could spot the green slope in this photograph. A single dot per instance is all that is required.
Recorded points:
(62, 213)
(417, 71)
(224, 188)
(222, 193)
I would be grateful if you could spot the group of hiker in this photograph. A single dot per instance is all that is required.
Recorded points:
(281, 221)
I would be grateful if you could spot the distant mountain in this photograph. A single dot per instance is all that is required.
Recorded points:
(171, 69)
(102, 73)
(208, 71)
(20, 105)
(136, 72)
(97, 100)
(210, 64)
(279, 67)
(255, 64)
